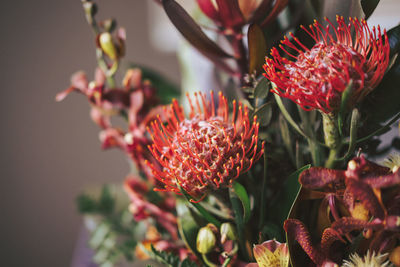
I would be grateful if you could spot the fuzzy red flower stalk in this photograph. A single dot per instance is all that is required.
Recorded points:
(206, 151)
(317, 77)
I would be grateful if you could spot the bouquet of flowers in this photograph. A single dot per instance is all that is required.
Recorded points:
(275, 167)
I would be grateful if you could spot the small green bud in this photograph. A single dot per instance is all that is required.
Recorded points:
(107, 45)
(206, 240)
(228, 232)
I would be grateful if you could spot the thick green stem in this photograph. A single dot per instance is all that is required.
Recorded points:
(330, 162)
(332, 138)
(290, 120)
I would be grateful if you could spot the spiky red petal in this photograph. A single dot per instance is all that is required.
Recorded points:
(317, 77)
(206, 151)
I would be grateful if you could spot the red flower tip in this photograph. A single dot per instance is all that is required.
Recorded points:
(206, 151)
(317, 77)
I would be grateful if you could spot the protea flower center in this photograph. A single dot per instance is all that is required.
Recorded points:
(206, 151)
(327, 68)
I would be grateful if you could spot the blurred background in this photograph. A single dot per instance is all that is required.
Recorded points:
(50, 151)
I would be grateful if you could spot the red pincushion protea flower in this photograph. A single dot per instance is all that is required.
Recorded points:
(206, 151)
(318, 76)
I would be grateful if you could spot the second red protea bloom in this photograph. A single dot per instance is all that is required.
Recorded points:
(317, 77)
(206, 151)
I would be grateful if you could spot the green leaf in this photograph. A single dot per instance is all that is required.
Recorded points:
(264, 114)
(293, 186)
(262, 88)
(166, 90)
(355, 116)
(110, 224)
(286, 137)
(191, 31)
(257, 48)
(238, 211)
(282, 205)
(368, 7)
(241, 193)
(86, 204)
(206, 215)
(346, 95)
(106, 203)
(187, 225)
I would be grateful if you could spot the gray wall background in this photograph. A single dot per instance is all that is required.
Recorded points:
(50, 151)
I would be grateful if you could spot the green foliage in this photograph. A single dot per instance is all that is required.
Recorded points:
(188, 224)
(262, 88)
(238, 209)
(170, 259)
(105, 204)
(241, 193)
(281, 206)
(112, 228)
(206, 215)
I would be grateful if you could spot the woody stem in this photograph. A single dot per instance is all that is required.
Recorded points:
(240, 56)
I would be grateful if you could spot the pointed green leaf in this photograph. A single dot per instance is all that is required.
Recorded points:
(287, 196)
(264, 114)
(206, 215)
(187, 224)
(241, 192)
(262, 88)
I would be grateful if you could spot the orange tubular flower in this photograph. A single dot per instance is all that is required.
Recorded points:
(318, 76)
(206, 151)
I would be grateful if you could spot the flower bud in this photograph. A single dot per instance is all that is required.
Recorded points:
(107, 45)
(206, 239)
(228, 232)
